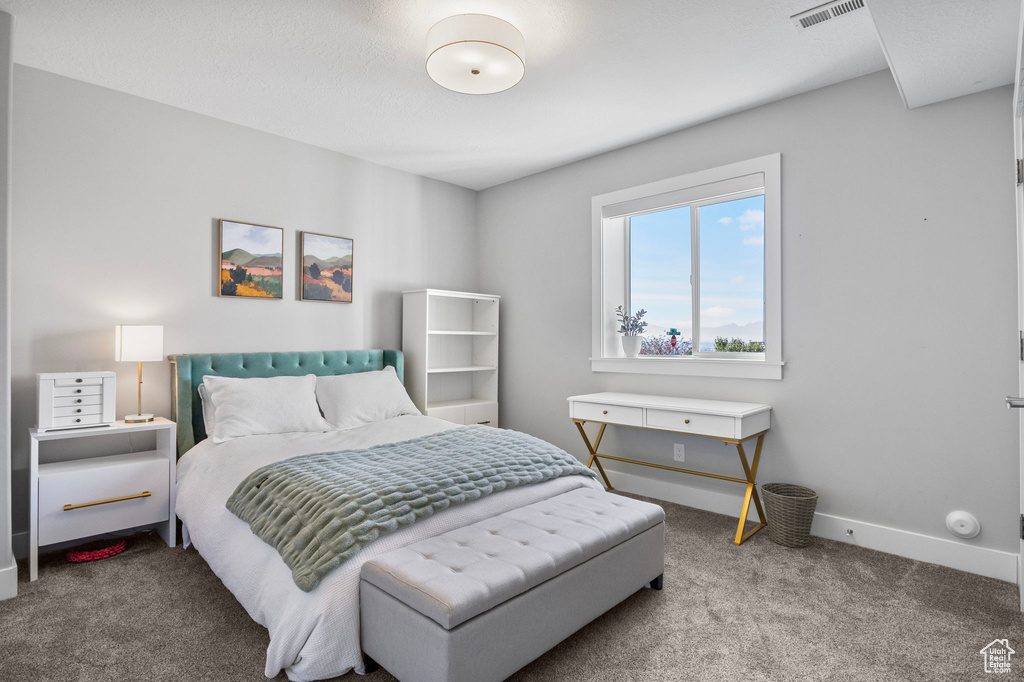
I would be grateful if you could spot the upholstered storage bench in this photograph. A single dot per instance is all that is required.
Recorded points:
(478, 603)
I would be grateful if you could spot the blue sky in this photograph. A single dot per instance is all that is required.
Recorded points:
(731, 268)
(252, 238)
(325, 248)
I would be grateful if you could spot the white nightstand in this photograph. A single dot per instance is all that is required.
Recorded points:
(78, 498)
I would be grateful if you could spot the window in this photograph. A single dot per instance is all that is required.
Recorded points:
(701, 255)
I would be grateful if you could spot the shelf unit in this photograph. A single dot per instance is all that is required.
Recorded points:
(450, 341)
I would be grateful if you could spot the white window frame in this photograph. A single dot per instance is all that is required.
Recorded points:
(611, 214)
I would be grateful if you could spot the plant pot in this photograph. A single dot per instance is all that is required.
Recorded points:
(631, 346)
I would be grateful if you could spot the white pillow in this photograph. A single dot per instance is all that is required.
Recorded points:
(351, 400)
(247, 407)
(208, 414)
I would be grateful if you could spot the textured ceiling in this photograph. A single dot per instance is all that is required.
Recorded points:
(348, 75)
(940, 49)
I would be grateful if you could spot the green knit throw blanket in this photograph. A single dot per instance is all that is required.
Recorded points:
(319, 510)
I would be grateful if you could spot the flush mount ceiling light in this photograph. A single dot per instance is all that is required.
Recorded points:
(475, 54)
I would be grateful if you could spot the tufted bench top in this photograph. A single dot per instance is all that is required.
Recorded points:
(460, 574)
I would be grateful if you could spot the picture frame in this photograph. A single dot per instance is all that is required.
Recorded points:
(250, 260)
(325, 267)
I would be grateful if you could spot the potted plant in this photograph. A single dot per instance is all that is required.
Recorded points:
(631, 327)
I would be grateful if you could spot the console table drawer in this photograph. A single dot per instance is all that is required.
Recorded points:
(613, 414)
(690, 422)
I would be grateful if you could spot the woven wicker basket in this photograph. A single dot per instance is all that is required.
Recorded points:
(790, 511)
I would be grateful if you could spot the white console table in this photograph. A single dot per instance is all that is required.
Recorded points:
(728, 421)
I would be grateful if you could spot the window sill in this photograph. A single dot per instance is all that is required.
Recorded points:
(696, 367)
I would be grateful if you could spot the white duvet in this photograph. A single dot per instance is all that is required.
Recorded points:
(313, 635)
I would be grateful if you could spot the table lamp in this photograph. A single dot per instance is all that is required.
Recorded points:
(138, 343)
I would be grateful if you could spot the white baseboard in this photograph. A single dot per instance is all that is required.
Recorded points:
(9, 581)
(708, 500)
(991, 563)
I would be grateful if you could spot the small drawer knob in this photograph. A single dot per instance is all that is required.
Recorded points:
(78, 390)
(79, 400)
(78, 411)
(78, 381)
(77, 420)
(686, 421)
(604, 411)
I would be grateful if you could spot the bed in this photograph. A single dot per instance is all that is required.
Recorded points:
(314, 634)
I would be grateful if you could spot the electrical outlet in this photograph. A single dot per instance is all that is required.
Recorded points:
(679, 452)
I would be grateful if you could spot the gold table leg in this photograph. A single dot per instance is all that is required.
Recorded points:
(592, 449)
(751, 474)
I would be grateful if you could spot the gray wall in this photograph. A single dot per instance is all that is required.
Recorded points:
(899, 303)
(115, 207)
(899, 315)
(8, 570)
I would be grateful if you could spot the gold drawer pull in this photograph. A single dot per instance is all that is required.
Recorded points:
(69, 507)
(604, 411)
(686, 421)
(486, 422)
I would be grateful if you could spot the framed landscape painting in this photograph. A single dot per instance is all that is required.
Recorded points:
(251, 260)
(326, 268)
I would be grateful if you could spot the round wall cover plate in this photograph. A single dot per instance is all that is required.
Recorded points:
(963, 524)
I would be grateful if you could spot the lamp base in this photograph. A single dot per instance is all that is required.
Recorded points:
(138, 418)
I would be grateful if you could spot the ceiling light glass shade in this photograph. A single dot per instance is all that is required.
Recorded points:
(475, 54)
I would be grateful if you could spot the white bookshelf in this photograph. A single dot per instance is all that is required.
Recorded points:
(450, 341)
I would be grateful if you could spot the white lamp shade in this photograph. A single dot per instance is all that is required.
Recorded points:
(138, 342)
(475, 54)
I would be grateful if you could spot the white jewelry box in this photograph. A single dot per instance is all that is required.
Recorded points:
(74, 400)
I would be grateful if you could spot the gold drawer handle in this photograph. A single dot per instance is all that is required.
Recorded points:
(686, 421)
(604, 411)
(486, 422)
(69, 507)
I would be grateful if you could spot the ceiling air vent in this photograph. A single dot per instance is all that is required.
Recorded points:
(822, 13)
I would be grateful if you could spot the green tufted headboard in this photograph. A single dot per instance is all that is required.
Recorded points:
(187, 372)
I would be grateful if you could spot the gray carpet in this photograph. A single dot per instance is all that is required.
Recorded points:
(830, 611)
